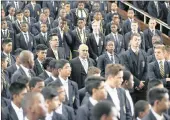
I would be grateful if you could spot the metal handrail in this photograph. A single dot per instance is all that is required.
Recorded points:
(147, 15)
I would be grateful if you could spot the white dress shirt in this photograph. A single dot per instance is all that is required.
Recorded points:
(111, 56)
(93, 101)
(17, 66)
(26, 70)
(138, 118)
(130, 101)
(26, 36)
(97, 37)
(61, 32)
(82, 36)
(48, 73)
(59, 109)
(83, 14)
(84, 62)
(18, 111)
(162, 62)
(65, 84)
(55, 54)
(54, 78)
(49, 116)
(157, 116)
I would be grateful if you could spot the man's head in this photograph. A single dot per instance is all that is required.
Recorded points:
(130, 13)
(54, 42)
(41, 51)
(110, 46)
(93, 71)
(158, 98)
(64, 68)
(36, 84)
(114, 28)
(159, 51)
(114, 6)
(95, 27)
(4, 61)
(134, 26)
(54, 68)
(114, 75)
(141, 109)
(46, 11)
(27, 59)
(46, 62)
(67, 6)
(95, 87)
(80, 5)
(11, 10)
(135, 40)
(97, 16)
(116, 18)
(152, 23)
(81, 23)
(34, 105)
(7, 45)
(17, 90)
(24, 27)
(62, 13)
(155, 84)
(26, 12)
(4, 24)
(17, 53)
(155, 39)
(63, 23)
(43, 27)
(60, 90)
(42, 17)
(19, 15)
(128, 82)
(104, 111)
(51, 98)
(83, 51)
(24, 80)
(96, 6)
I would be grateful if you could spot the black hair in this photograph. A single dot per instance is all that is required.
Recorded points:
(52, 35)
(16, 88)
(18, 12)
(61, 63)
(3, 57)
(18, 51)
(140, 106)
(6, 41)
(126, 75)
(154, 83)
(34, 81)
(49, 93)
(101, 108)
(52, 63)
(55, 84)
(23, 79)
(41, 47)
(45, 8)
(93, 82)
(46, 62)
(156, 94)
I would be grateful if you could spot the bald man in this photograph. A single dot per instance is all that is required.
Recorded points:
(34, 107)
(80, 65)
(27, 63)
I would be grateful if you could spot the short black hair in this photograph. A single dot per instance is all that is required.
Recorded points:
(18, 12)
(46, 62)
(51, 36)
(82, 18)
(16, 88)
(156, 94)
(34, 81)
(154, 83)
(140, 106)
(93, 82)
(41, 47)
(55, 84)
(3, 57)
(49, 93)
(52, 64)
(23, 79)
(101, 108)
(45, 8)
(18, 51)
(126, 75)
(61, 63)
(6, 41)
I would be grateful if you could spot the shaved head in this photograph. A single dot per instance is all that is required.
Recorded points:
(83, 51)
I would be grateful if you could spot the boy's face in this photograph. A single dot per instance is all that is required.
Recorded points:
(4, 64)
(7, 47)
(54, 103)
(42, 54)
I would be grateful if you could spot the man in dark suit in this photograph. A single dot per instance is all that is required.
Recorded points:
(71, 88)
(36, 84)
(26, 59)
(11, 15)
(54, 72)
(50, 20)
(27, 17)
(41, 51)
(155, 9)
(80, 66)
(158, 98)
(117, 38)
(79, 36)
(53, 102)
(14, 110)
(141, 109)
(149, 33)
(47, 70)
(117, 95)
(127, 23)
(34, 8)
(159, 69)
(95, 87)
(165, 7)
(25, 39)
(135, 61)
(108, 57)
(12, 68)
(66, 111)
(64, 37)
(55, 51)
(96, 42)
(134, 29)
(18, 5)
(7, 48)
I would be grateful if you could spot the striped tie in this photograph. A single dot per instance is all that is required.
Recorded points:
(161, 68)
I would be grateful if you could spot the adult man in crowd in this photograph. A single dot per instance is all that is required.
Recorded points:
(36, 84)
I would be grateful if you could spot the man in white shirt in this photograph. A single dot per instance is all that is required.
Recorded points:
(14, 110)
(114, 79)
(142, 108)
(158, 98)
(95, 87)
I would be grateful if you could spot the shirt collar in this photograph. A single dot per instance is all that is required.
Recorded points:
(59, 109)
(16, 108)
(158, 117)
(24, 68)
(54, 78)
(161, 60)
(49, 115)
(48, 73)
(82, 59)
(93, 101)
(62, 80)
(134, 50)
(110, 54)
(25, 33)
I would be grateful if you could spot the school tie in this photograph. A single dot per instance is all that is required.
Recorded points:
(161, 68)
(26, 38)
(9, 59)
(81, 13)
(111, 56)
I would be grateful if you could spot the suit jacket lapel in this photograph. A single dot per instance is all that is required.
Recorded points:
(108, 61)
(81, 66)
(12, 113)
(133, 57)
(100, 44)
(22, 71)
(70, 88)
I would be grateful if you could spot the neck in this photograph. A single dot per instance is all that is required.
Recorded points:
(111, 52)
(50, 110)
(157, 111)
(7, 52)
(95, 98)
(109, 83)
(135, 48)
(32, 117)
(124, 86)
(65, 78)
(25, 66)
(40, 59)
(17, 104)
(17, 63)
